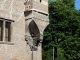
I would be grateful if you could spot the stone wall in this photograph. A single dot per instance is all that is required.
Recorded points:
(18, 49)
(14, 10)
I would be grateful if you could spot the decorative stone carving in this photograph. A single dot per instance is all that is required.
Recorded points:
(32, 42)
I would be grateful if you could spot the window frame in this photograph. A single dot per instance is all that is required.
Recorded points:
(3, 36)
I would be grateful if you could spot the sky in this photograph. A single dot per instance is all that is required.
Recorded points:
(77, 4)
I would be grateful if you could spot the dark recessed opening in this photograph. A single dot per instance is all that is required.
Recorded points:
(1, 30)
(34, 32)
(33, 29)
(40, 1)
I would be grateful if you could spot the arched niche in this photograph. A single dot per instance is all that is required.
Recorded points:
(35, 33)
(33, 29)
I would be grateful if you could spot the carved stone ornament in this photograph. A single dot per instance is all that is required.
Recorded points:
(32, 42)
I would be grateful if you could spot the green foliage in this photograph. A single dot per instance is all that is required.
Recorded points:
(47, 55)
(63, 31)
(60, 54)
(71, 48)
(69, 2)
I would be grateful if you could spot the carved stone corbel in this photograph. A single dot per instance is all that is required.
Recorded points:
(33, 42)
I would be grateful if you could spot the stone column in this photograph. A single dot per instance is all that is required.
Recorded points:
(34, 55)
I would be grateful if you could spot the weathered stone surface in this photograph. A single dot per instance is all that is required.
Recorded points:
(18, 49)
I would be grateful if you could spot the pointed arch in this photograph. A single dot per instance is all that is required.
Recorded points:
(34, 32)
(33, 29)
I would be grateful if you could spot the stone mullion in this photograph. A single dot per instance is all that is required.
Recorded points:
(3, 37)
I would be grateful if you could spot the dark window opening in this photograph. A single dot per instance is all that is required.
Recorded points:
(7, 31)
(1, 23)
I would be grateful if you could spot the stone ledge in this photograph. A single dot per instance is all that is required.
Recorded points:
(37, 19)
(9, 43)
(6, 19)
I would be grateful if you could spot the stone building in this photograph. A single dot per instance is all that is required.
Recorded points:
(22, 23)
